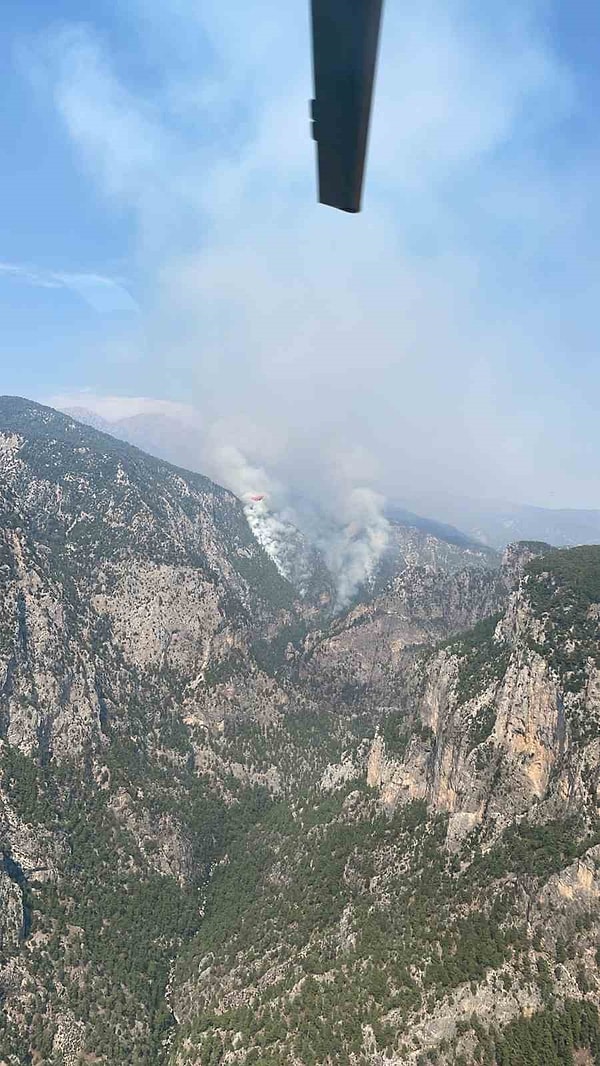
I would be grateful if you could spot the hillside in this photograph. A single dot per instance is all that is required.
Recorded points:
(456, 519)
(411, 538)
(237, 829)
(131, 592)
(437, 900)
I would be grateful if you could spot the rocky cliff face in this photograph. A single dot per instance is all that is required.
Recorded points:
(508, 718)
(360, 656)
(236, 829)
(442, 903)
(113, 561)
(130, 595)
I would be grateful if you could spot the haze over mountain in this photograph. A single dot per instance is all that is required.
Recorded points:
(179, 437)
(498, 522)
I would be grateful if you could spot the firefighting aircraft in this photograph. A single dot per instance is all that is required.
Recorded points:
(345, 41)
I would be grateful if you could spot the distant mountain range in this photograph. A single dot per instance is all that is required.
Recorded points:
(161, 435)
(499, 522)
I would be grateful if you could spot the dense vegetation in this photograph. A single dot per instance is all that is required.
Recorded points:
(551, 1037)
(331, 917)
(102, 938)
(482, 658)
(206, 877)
(564, 591)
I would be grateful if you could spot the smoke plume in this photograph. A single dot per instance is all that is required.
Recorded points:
(354, 549)
(253, 486)
(345, 523)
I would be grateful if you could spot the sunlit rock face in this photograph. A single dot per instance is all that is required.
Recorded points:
(511, 717)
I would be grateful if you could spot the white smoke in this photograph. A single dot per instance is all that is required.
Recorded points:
(258, 493)
(353, 549)
(235, 471)
(282, 541)
(306, 501)
(350, 530)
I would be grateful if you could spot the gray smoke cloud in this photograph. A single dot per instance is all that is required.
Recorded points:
(419, 345)
(297, 501)
(354, 550)
(346, 523)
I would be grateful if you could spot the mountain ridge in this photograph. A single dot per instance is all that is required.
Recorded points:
(495, 523)
(235, 829)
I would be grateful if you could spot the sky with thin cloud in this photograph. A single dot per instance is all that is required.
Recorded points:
(160, 238)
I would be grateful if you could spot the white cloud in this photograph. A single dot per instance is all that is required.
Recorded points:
(30, 277)
(118, 140)
(420, 329)
(102, 294)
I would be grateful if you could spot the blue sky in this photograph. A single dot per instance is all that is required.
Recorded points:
(159, 236)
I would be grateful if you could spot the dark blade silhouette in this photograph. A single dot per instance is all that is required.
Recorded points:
(345, 41)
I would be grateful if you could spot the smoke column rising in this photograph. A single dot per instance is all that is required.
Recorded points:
(246, 480)
(308, 506)
(347, 526)
(353, 549)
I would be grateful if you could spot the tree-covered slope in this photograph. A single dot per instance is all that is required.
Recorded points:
(130, 593)
(234, 830)
(442, 903)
